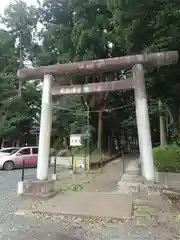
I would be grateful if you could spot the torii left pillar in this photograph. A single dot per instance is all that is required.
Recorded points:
(45, 129)
(42, 187)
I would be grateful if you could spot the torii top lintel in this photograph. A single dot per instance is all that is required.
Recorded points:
(101, 65)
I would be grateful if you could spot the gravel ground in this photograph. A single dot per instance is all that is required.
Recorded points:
(68, 228)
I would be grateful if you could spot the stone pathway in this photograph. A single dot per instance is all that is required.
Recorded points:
(107, 181)
(88, 204)
(94, 181)
(143, 226)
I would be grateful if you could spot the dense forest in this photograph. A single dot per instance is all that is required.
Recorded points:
(60, 31)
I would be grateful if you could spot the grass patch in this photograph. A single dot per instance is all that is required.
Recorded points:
(72, 187)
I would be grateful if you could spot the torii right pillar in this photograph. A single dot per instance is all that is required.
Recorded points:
(143, 125)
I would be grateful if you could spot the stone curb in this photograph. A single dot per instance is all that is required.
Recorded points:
(37, 212)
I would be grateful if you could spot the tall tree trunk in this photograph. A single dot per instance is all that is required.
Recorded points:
(100, 127)
(172, 120)
(179, 121)
(37, 139)
(109, 145)
(21, 63)
(167, 125)
(100, 102)
(163, 136)
(18, 142)
(2, 143)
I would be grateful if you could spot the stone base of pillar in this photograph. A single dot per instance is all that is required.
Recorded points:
(39, 189)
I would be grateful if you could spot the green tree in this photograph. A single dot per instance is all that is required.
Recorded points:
(21, 21)
(69, 117)
(152, 26)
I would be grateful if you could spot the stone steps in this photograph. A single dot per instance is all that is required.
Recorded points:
(144, 214)
(152, 210)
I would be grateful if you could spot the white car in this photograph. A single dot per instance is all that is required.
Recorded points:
(7, 151)
(26, 156)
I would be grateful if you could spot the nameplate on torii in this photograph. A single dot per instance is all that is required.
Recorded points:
(93, 87)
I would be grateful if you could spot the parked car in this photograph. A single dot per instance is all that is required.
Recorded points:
(7, 151)
(15, 159)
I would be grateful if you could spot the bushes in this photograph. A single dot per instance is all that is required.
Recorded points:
(167, 159)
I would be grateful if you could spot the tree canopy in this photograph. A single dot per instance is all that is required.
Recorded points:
(59, 31)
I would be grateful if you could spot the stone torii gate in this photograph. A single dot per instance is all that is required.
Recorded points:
(51, 86)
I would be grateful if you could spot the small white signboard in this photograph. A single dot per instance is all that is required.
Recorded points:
(75, 140)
